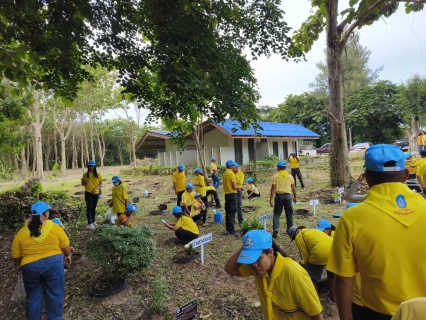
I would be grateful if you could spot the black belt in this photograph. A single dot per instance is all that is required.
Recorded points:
(281, 193)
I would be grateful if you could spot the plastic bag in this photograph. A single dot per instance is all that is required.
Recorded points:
(19, 295)
(108, 215)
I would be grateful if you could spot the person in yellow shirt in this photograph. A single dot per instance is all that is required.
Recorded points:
(253, 191)
(126, 218)
(188, 198)
(420, 141)
(38, 250)
(413, 309)
(92, 182)
(282, 185)
(179, 182)
(314, 246)
(214, 171)
(198, 212)
(239, 176)
(185, 228)
(211, 191)
(119, 196)
(410, 165)
(284, 288)
(295, 169)
(422, 160)
(200, 188)
(421, 177)
(387, 258)
(230, 189)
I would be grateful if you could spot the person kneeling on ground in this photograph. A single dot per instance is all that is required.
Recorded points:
(198, 210)
(185, 228)
(126, 218)
(211, 191)
(284, 287)
(253, 191)
(314, 246)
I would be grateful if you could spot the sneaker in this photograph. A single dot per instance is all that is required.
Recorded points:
(303, 188)
(218, 207)
(95, 224)
(275, 234)
(187, 245)
(91, 226)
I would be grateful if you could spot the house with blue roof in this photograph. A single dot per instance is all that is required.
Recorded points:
(227, 140)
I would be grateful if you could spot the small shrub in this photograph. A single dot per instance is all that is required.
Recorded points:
(35, 190)
(248, 225)
(158, 301)
(56, 167)
(121, 250)
(61, 196)
(272, 158)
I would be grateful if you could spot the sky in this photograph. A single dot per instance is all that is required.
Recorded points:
(397, 43)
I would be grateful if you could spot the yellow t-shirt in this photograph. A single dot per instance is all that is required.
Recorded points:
(410, 165)
(213, 167)
(413, 309)
(420, 140)
(283, 181)
(121, 219)
(227, 180)
(180, 180)
(421, 171)
(194, 211)
(210, 188)
(91, 182)
(239, 176)
(26, 247)
(119, 195)
(294, 162)
(199, 179)
(186, 223)
(418, 163)
(314, 245)
(188, 198)
(292, 293)
(383, 237)
(253, 188)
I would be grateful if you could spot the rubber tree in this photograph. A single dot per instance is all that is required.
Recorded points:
(357, 15)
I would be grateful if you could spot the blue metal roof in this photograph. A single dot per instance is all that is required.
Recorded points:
(269, 129)
(163, 132)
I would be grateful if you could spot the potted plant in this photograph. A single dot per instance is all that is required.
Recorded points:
(336, 197)
(119, 251)
(248, 225)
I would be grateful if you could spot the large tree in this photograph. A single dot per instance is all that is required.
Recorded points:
(358, 14)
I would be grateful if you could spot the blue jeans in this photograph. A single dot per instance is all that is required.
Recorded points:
(283, 201)
(44, 278)
(216, 181)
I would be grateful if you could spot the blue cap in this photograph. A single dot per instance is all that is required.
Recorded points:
(39, 207)
(250, 180)
(198, 170)
(213, 159)
(181, 167)
(254, 242)
(230, 163)
(281, 163)
(376, 156)
(235, 164)
(189, 186)
(197, 195)
(176, 209)
(115, 179)
(323, 224)
(408, 155)
(56, 221)
(131, 208)
(91, 163)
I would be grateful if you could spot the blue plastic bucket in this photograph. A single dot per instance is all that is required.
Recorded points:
(218, 217)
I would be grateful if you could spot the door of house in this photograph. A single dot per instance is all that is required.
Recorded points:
(251, 149)
(238, 150)
(275, 148)
(285, 150)
(294, 144)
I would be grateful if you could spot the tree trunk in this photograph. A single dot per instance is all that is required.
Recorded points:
(92, 145)
(412, 133)
(199, 145)
(55, 145)
(101, 145)
(74, 162)
(120, 156)
(37, 125)
(24, 167)
(339, 164)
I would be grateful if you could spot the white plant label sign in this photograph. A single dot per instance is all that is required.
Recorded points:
(264, 218)
(200, 242)
(314, 203)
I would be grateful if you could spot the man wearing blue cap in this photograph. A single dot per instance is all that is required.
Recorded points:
(231, 205)
(179, 182)
(119, 196)
(284, 287)
(188, 198)
(126, 218)
(282, 185)
(214, 171)
(239, 176)
(383, 238)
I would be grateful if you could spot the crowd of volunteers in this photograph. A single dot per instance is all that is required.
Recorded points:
(372, 259)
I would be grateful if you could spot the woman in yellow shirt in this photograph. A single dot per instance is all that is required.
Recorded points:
(185, 228)
(37, 251)
(253, 191)
(92, 182)
(126, 218)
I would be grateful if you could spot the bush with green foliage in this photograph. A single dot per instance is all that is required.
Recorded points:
(35, 190)
(248, 225)
(121, 250)
(60, 196)
(56, 167)
(158, 301)
(272, 158)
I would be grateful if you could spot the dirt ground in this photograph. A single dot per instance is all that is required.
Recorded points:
(219, 295)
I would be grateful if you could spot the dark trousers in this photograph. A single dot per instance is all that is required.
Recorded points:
(358, 312)
(240, 206)
(370, 314)
(283, 201)
(216, 197)
(91, 203)
(185, 236)
(179, 197)
(216, 181)
(254, 195)
(230, 211)
(298, 173)
(204, 212)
